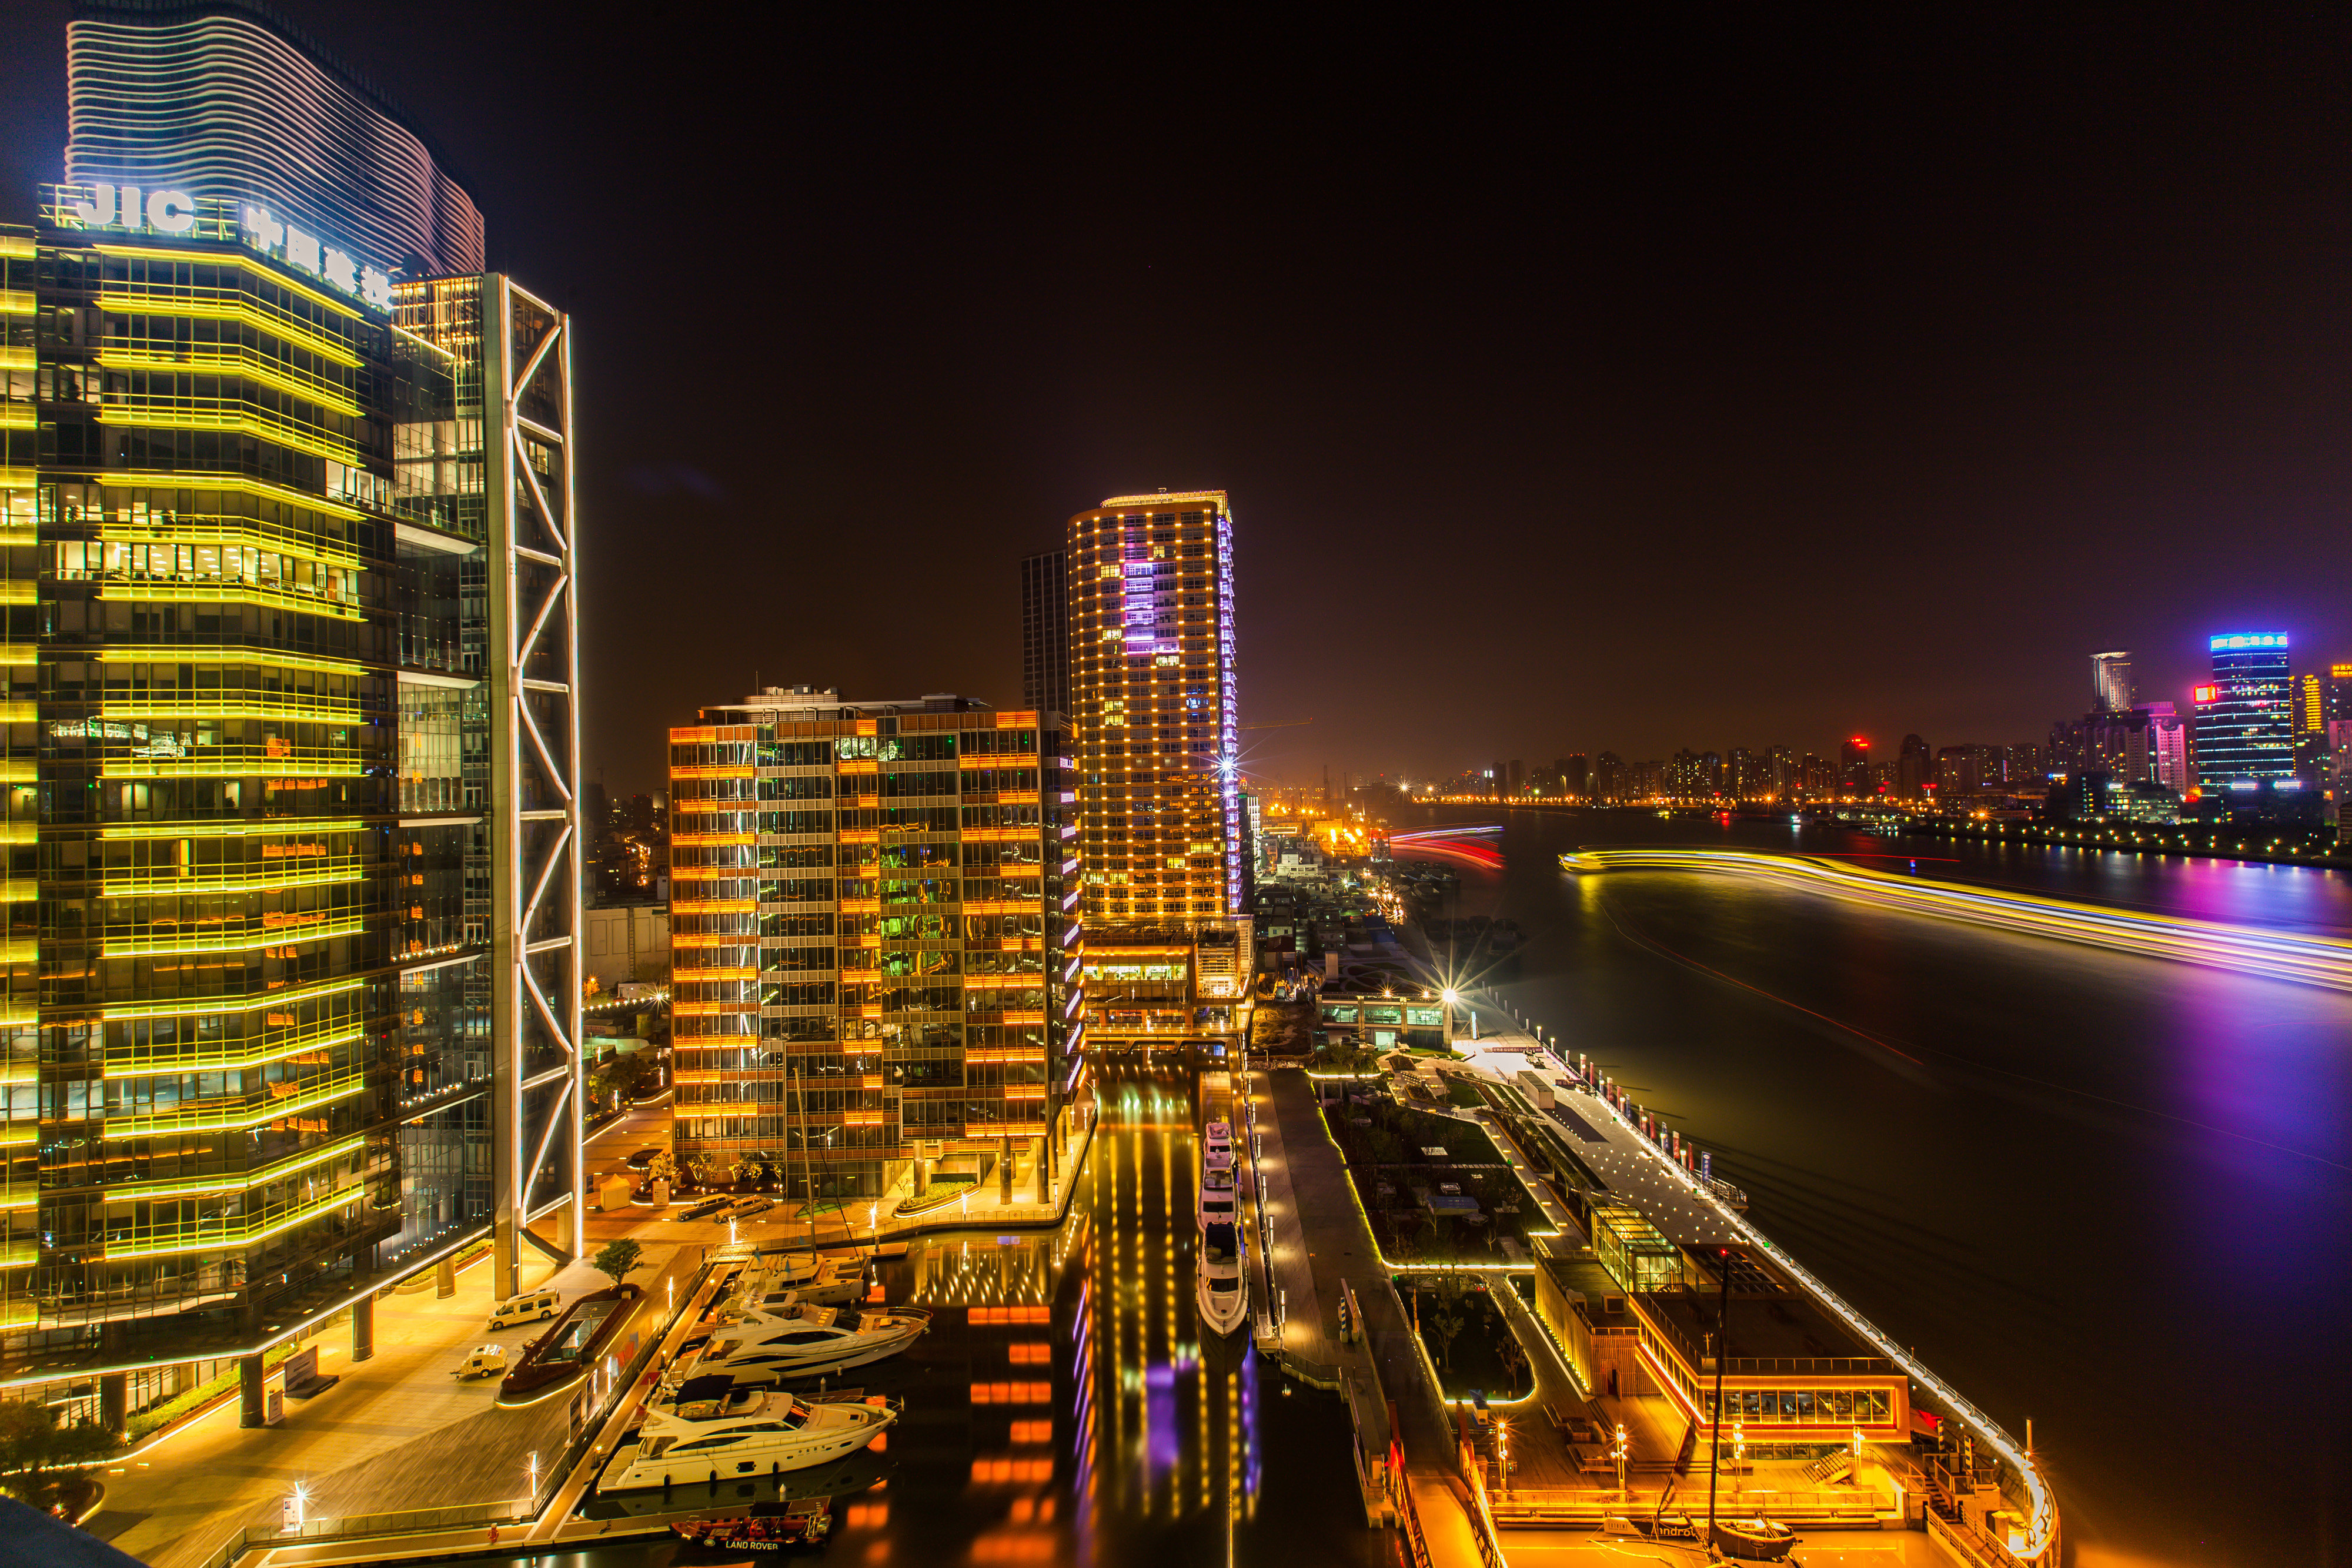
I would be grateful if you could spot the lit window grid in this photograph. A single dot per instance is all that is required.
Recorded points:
(1108, 609)
(727, 958)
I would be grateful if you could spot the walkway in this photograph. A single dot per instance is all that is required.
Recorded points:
(1320, 1240)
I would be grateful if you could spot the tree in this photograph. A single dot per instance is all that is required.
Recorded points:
(700, 1167)
(618, 1260)
(1445, 1315)
(662, 1168)
(33, 1446)
(1510, 1353)
(747, 1170)
(629, 1075)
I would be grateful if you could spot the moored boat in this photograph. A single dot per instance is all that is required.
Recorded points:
(716, 1429)
(790, 1338)
(769, 1527)
(1218, 1286)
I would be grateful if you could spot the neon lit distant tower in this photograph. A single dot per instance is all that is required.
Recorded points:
(2245, 716)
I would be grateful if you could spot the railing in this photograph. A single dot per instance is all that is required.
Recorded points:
(1399, 1492)
(1519, 1504)
(1970, 1545)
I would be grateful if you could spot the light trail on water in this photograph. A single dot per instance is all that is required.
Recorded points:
(2305, 960)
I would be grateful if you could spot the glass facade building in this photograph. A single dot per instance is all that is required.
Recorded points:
(876, 955)
(293, 972)
(1045, 632)
(2245, 717)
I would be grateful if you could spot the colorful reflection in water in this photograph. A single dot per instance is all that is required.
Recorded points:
(1065, 1408)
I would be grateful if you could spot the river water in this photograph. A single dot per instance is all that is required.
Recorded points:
(2108, 1193)
(1064, 1407)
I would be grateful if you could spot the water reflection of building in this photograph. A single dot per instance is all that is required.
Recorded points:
(1166, 1433)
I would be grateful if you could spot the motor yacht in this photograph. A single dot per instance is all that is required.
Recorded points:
(1219, 1200)
(814, 1279)
(1218, 1286)
(742, 1432)
(777, 1342)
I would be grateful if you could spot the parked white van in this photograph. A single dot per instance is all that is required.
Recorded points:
(531, 1305)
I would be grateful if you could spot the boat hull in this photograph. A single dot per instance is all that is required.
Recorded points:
(630, 1471)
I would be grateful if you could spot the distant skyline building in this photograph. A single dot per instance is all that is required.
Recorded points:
(2111, 683)
(1964, 772)
(1045, 632)
(296, 659)
(2245, 715)
(1854, 765)
(1914, 769)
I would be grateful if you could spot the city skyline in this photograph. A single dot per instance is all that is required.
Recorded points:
(1863, 497)
(1817, 452)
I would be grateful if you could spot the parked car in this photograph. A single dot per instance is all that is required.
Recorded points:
(745, 1207)
(706, 1207)
(530, 1306)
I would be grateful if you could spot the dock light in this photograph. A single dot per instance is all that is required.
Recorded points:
(730, 1230)
(300, 1504)
(669, 1289)
(534, 1475)
(1450, 996)
(1618, 1453)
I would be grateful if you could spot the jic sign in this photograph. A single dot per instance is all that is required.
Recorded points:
(133, 211)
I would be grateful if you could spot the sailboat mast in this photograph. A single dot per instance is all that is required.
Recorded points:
(1722, 1354)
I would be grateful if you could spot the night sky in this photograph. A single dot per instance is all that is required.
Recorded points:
(1726, 380)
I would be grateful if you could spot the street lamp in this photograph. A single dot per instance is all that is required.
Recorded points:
(298, 1505)
(1618, 1453)
(534, 1478)
(874, 1226)
(1503, 1453)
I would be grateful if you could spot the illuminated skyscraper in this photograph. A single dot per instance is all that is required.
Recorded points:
(2111, 683)
(1157, 718)
(1854, 767)
(2245, 716)
(294, 644)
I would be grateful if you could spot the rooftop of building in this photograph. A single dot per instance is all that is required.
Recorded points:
(1769, 1320)
(1164, 498)
(828, 702)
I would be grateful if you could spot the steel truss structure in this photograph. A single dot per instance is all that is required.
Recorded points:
(537, 829)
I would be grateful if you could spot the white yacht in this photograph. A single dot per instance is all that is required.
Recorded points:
(814, 1279)
(1219, 1204)
(1218, 1135)
(1223, 1298)
(742, 1432)
(780, 1340)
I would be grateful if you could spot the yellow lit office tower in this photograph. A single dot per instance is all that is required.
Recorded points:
(1155, 712)
(292, 970)
(876, 980)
